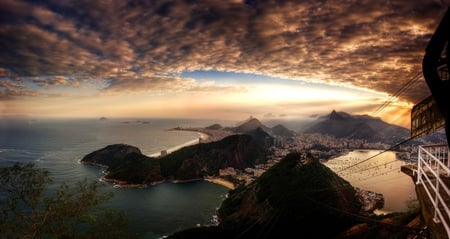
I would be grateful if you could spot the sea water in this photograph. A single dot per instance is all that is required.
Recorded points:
(59, 145)
(377, 171)
(152, 212)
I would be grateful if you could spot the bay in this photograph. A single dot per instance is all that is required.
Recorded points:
(153, 212)
(379, 172)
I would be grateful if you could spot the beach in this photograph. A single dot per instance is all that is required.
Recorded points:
(207, 135)
(222, 182)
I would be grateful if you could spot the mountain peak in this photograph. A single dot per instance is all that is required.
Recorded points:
(344, 125)
(335, 116)
(251, 124)
(253, 121)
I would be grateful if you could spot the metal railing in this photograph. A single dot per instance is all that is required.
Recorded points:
(433, 166)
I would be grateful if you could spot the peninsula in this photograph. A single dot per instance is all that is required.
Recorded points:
(126, 166)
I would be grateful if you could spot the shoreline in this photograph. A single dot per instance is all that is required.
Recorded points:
(207, 135)
(222, 182)
(124, 184)
(203, 137)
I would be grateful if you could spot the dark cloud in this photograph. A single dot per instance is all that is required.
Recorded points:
(137, 45)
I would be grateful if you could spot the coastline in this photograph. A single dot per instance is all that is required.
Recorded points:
(206, 135)
(222, 182)
(124, 184)
(116, 183)
(203, 137)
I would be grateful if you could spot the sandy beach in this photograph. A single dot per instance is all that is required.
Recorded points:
(207, 135)
(222, 182)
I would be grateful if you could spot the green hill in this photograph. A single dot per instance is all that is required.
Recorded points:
(295, 197)
(126, 163)
(237, 151)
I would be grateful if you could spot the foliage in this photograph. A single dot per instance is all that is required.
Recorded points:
(302, 197)
(127, 163)
(71, 212)
(237, 151)
(296, 194)
(136, 168)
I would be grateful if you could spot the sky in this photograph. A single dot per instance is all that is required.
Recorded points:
(227, 59)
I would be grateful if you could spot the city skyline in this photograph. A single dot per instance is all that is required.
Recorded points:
(213, 59)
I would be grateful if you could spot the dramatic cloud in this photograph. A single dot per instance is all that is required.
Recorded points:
(135, 46)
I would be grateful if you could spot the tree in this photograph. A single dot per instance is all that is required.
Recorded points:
(28, 210)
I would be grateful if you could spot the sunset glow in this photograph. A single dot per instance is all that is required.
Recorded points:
(212, 59)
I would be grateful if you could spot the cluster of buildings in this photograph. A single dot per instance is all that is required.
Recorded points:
(330, 147)
(369, 200)
(320, 146)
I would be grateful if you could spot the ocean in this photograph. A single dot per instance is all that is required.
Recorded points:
(377, 171)
(153, 212)
(156, 211)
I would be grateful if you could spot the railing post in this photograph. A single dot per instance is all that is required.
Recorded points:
(435, 158)
(447, 157)
(436, 197)
(419, 165)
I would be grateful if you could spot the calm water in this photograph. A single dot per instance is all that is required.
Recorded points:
(59, 145)
(380, 174)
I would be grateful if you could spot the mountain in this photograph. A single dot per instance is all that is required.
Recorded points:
(297, 196)
(193, 162)
(250, 124)
(253, 124)
(127, 165)
(294, 124)
(344, 125)
(280, 130)
(214, 127)
(261, 136)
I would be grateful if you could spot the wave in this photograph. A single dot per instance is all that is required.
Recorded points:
(48, 155)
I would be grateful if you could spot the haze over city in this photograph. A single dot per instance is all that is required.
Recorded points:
(213, 59)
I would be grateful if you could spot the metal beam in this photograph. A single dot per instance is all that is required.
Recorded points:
(426, 118)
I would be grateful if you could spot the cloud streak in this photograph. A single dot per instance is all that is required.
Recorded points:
(142, 46)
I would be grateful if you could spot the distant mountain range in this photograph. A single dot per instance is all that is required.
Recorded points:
(252, 124)
(344, 125)
(337, 124)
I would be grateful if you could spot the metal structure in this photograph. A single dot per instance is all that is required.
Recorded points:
(433, 173)
(426, 118)
(435, 68)
(429, 116)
